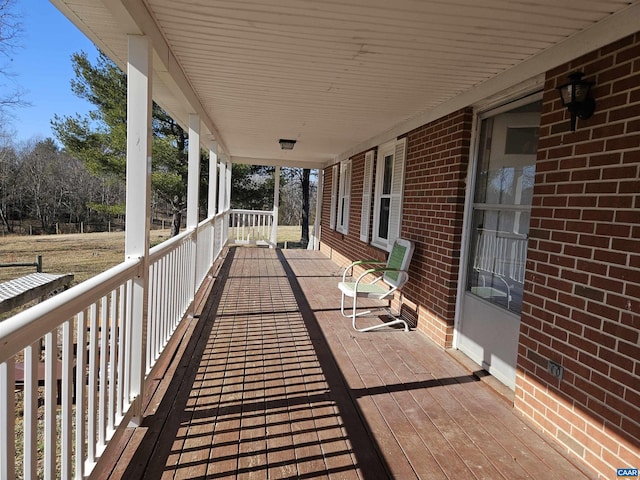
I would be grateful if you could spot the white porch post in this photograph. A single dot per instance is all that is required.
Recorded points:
(222, 196)
(138, 213)
(276, 205)
(213, 180)
(223, 186)
(228, 188)
(314, 241)
(193, 179)
(193, 192)
(212, 209)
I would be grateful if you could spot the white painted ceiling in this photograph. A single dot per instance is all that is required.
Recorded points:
(337, 76)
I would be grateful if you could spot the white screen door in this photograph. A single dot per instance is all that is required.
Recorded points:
(505, 171)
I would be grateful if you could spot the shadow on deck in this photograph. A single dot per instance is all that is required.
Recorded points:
(271, 382)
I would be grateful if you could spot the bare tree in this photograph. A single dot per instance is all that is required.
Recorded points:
(10, 33)
(297, 195)
(8, 175)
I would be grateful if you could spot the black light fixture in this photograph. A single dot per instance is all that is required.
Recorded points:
(575, 97)
(287, 144)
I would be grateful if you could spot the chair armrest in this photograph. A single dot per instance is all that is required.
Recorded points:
(377, 270)
(349, 268)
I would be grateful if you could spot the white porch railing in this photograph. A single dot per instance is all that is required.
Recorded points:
(78, 344)
(251, 227)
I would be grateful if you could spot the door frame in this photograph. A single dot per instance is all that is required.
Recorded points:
(479, 114)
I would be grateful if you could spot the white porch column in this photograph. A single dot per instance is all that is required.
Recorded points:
(213, 180)
(193, 193)
(222, 198)
(276, 205)
(193, 178)
(223, 187)
(228, 188)
(314, 240)
(138, 212)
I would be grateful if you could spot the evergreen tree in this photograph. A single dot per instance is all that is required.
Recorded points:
(252, 187)
(100, 139)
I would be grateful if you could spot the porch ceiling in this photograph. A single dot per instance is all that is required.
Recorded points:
(339, 76)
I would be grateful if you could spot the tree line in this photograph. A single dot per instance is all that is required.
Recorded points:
(41, 185)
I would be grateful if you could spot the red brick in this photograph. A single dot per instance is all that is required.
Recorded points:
(626, 245)
(559, 152)
(620, 331)
(601, 187)
(623, 113)
(610, 257)
(594, 241)
(585, 175)
(610, 130)
(624, 172)
(612, 74)
(617, 201)
(597, 215)
(613, 230)
(603, 311)
(591, 147)
(607, 284)
(631, 187)
(605, 159)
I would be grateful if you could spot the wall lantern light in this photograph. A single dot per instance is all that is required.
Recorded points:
(575, 97)
(287, 144)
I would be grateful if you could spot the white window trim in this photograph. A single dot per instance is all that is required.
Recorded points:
(344, 197)
(398, 149)
(334, 197)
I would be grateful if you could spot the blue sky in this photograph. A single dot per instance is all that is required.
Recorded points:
(42, 68)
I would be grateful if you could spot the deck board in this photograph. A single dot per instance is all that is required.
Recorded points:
(272, 382)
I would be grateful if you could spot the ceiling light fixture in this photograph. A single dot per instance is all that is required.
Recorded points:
(287, 144)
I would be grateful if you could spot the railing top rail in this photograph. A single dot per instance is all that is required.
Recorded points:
(168, 245)
(252, 212)
(172, 243)
(21, 330)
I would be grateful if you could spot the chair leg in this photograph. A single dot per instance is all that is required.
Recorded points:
(366, 329)
(349, 315)
(397, 321)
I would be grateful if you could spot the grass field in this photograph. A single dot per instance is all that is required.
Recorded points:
(82, 254)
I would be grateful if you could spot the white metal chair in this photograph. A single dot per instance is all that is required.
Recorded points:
(388, 279)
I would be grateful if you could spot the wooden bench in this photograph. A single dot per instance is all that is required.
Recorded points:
(19, 369)
(33, 286)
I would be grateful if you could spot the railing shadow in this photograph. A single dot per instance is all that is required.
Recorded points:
(161, 427)
(364, 446)
(300, 417)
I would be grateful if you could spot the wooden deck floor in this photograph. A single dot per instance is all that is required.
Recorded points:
(271, 382)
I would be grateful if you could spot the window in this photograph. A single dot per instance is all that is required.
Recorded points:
(503, 196)
(389, 179)
(344, 197)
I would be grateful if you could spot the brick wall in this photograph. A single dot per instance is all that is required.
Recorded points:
(436, 166)
(433, 208)
(582, 293)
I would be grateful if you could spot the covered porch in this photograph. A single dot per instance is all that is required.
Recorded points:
(267, 380)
